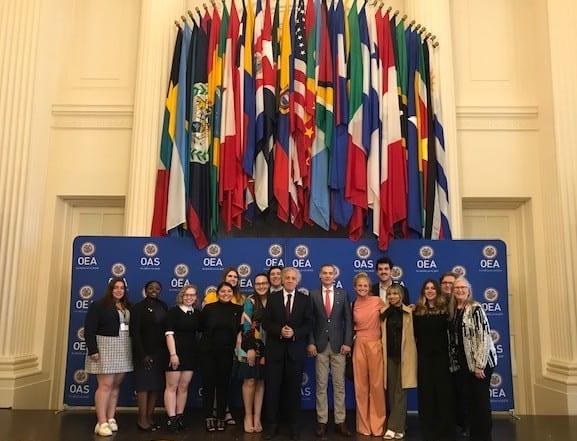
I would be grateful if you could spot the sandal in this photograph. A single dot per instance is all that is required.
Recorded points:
(228, 419)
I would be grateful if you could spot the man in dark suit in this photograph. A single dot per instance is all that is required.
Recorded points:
(330, 341)
(384, 273)
(287, 322)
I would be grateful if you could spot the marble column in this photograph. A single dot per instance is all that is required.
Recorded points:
(19, 21)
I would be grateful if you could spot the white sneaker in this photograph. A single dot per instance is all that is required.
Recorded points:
(102, 429)
(113, 425)
(389, 434)
(399, 435)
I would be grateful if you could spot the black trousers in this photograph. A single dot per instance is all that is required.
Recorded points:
(474, 404)
(436, 398)
(283, 380)
(216, 371)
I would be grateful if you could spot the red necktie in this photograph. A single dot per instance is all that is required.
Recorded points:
(328, 306)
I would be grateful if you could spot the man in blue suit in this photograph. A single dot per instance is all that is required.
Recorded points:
(330, 342)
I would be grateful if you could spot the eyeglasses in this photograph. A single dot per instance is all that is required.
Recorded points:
(460, 288)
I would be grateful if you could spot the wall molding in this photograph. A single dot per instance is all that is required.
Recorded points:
(92, 116)
(497, 118)
(564, 372)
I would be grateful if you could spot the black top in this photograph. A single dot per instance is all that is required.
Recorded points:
(220, 324)
(394, 316)
(102, 319)
(185, 326)
(147, 328)
(456, 330)
(431, 334)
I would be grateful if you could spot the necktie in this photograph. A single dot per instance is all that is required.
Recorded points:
(328, 306)
(287, 305)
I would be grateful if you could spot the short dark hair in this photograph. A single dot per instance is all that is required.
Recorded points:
(221, 284)
(279, 267)
(448, 274)
(150, 282)
(384, 260)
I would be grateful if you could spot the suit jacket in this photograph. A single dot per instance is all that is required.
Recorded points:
(406, 300)
(300, 320)
(101, 319)
(337, 329)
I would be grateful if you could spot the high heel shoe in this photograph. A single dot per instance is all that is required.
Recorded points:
(209, 425)
(220, 425)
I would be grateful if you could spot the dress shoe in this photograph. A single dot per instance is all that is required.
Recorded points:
(172, 424)
(180, 422)
(321, 431)
(342, 429)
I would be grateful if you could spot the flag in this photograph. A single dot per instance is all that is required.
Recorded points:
(393, 186)
(430, 173)
(441, 227)
(265, 103)
(281, 155)
(178, 181)
(167, 141)
(198, 214)
(414, 210)
(320, 198)
(356, 182)
(422, 124)
(217, 75)
(230, 135)
(341, 208)
(249, 108)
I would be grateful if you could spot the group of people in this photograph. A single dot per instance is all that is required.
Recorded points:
(441, 344)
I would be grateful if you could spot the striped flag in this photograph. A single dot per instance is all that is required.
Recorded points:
(422, 124)
(441, 228)
(167, 141)
(356, 182)
(179, 173)
(281, 155)
(341, 208)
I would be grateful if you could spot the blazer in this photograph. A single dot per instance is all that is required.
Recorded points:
(337, 329)
(147, 328)
(375, 291)
(300, 320)
(101, 319)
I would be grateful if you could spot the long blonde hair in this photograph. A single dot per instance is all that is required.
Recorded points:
(180, 294)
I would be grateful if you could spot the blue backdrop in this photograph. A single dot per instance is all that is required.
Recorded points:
(175, 262)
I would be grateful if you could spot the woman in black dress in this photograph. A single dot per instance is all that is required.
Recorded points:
(182, 323)
(220, 324)
(435, 385)
(149, 352)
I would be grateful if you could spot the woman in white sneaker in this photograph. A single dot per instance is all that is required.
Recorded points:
(400, 358)
(109, 351)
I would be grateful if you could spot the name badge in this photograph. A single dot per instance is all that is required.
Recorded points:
(124, 326)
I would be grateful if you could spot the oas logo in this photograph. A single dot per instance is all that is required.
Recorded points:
(363, 252)
(490, 252)
(426, 252)
(397, 273)
(86, 292)
(496, 380)
(118, 269)
(80, 334)
(491, 294)
(150, 249)
(181, 270)
(87, 248)
(301, 251)
(80, 376)
(244, 270)
(337, 271)
(275, 250)
(305, 379)
(210, 290)
(459, 270)
(495, 336)
(213, 250)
